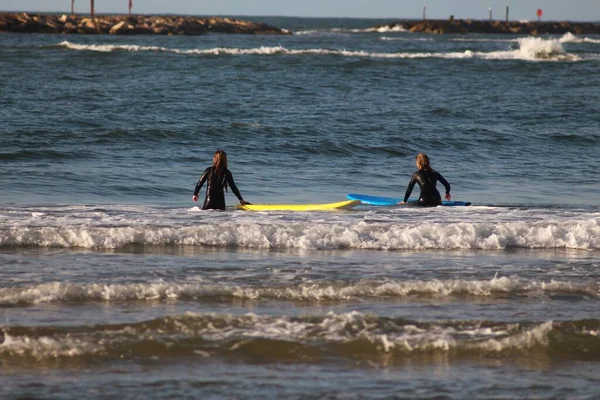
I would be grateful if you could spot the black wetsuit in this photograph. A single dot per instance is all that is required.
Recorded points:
(427, 180)
(215, 188)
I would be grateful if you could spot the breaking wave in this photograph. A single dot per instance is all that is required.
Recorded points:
(503, 287)
(530, 49)
(567, 234)
(310, 338)
(381, 29)
(570, 38)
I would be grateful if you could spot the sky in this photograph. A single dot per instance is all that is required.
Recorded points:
(555, 10)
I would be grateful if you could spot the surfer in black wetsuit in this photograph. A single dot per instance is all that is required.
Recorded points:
(427, 179)
(218, 178)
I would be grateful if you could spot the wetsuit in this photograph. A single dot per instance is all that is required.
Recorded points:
(215, 188)
(427, 180)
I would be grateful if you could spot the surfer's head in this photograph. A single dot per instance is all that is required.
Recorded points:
(220, 160)
(423, 162)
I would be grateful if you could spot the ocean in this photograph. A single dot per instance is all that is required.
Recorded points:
(114, 284)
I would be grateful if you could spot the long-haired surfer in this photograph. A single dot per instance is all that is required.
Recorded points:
(217, 178)
(427, 179)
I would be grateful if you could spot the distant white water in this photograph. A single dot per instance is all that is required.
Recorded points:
(382, 29)
(530, 49)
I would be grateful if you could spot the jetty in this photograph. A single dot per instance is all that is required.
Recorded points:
(131, 25)
(457, 26)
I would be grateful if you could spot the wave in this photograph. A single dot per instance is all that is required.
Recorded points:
(531, 49)
(501, 288)
(486, 40)
(385, 29)
(570, 38)
(139, 135)
(310, 338)
(570, 234)
(42, 154)
(407, 39)
(538, 48)
(566, 38)
(336, 147)
(381, 29)
(571, 138)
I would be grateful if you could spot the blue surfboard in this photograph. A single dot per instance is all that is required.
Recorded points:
(389, 201)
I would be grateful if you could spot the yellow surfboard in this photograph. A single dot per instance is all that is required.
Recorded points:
(299, 207)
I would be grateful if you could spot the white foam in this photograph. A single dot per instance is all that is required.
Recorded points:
(571, 234)
(385, 337)
(114, 227)
(407, 39)
(570, 38)
(471, 39)
(235, 331)
(382, 29)
(386, 29)
(310, 32)
(535, 48)
(69, 292)
(107, 48)
(49, 347)
(57, 292)
(531, 49)
(518, 340)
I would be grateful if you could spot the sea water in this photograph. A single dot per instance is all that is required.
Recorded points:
(113, 283)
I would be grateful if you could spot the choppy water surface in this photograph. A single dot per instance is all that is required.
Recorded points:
(113, 283)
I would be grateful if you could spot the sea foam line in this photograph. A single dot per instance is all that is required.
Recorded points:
(570, 38)
(61, 292)
(382, 29)
(211, 335)
(531, 49)
(566, 38)
(569, 234)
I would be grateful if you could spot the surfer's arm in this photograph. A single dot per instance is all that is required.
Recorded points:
(446, 184)
(201, 182)
(409, 189)
(234, 188)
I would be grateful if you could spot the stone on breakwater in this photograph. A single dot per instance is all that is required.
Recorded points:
(137, 25)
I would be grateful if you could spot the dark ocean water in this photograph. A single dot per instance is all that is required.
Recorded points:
(114, 283)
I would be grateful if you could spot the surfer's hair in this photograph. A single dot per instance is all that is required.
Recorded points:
(220, 166)
(220, 160)
(423, 162)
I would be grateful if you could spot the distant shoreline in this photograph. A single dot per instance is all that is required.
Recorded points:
(131, 25)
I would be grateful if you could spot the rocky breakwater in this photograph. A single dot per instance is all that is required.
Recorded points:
(132, 25)
(452, 25)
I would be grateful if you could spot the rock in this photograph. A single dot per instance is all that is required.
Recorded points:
(118, 28)
(190, 27)
(126, 28)
(24, 18)
(87, 25)
(70, 28)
